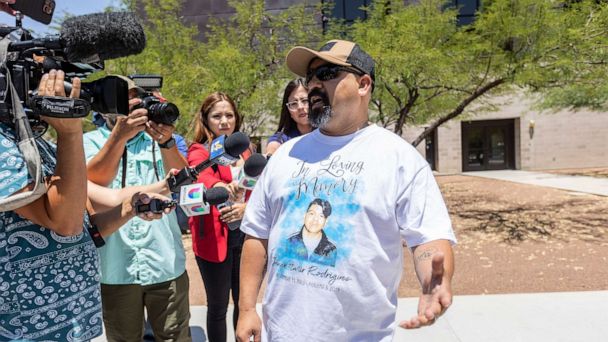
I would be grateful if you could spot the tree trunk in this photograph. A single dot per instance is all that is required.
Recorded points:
(458, 110)
(405, 111)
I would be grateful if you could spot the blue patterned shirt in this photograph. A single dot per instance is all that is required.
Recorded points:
(49, 284)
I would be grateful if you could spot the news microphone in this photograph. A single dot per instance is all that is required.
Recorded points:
(251, 171)
(231, 225)
(195, 199)
(93, 37)
(223, 151)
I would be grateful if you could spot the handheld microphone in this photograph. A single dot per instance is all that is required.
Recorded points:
(231, 225)
(93, 37)
(251, 171)
(223, 151)
(195, 199)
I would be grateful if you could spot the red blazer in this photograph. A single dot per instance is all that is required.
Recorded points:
(212, 243)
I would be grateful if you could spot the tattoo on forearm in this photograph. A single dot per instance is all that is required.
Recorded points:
(426, 254)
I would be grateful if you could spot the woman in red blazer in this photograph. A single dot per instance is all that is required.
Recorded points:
(216, 246)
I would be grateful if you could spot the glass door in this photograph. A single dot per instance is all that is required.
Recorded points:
(488, 145)
(475, 149)
(496, 147)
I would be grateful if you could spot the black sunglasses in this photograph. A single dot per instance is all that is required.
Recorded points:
(328, 72)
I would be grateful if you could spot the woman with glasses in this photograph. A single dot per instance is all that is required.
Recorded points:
(294, 115)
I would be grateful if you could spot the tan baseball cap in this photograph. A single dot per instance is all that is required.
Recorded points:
(339, 52)
(131, 84)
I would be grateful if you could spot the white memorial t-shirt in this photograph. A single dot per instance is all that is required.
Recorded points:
(379, 190)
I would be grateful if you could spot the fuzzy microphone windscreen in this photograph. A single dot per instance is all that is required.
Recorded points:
(102, 36)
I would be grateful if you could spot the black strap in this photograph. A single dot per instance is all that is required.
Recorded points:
(124, 167)
(154, 161)
(96, 236)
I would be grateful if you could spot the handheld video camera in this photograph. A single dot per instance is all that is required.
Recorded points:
(79, 50)
(159, 110)
(156, 206)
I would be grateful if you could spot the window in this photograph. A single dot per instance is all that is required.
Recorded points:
(348, 10)
(467, 9)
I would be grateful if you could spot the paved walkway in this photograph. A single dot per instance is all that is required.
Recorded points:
(551, 317)
(561, 316)
(584, 184)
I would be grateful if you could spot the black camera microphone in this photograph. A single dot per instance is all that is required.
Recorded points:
(93, 37)
(213, 196)
(247, 178)
(255, 164)
(251, 171)
(223, 150)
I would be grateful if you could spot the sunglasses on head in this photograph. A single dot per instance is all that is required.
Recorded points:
(328, 72)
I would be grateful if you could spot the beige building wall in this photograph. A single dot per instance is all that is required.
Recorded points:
(410, 134)
(543, 140)
(565, 140)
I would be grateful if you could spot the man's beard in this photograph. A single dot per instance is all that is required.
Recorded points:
(319, 114)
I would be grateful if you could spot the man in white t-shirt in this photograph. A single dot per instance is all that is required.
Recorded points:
(378, 190)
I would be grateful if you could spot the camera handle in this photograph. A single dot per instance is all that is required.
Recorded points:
(26, 143)
(59, 106)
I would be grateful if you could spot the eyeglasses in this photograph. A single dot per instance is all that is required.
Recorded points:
(293, 105)
(328, 72)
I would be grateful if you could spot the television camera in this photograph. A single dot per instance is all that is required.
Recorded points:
(81, 47)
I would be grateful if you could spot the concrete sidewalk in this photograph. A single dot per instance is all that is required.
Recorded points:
(584, 184)
(558, 316)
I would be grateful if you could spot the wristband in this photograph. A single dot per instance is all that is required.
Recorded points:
(167, 144)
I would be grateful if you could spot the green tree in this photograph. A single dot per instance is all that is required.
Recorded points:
(245, 56)
(585, 84)
(431, 70)
(242, 56)
(171, 51)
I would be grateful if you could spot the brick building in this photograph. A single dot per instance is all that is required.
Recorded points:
(516, 136)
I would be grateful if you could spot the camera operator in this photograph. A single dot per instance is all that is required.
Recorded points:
(143, 263)
(48, 261)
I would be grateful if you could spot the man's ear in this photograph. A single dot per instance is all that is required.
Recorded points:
(365, 85)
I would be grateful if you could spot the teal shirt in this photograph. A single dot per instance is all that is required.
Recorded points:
(140, 252)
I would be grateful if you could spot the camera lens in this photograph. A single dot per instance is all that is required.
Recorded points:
(165, 113)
